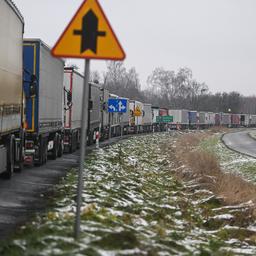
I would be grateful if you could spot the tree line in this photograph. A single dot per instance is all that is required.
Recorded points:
(173, 90)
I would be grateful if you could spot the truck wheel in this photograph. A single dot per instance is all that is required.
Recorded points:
(10, 158)
(55, 147)
(61, 147)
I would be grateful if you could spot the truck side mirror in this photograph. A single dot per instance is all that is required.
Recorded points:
(32, 86)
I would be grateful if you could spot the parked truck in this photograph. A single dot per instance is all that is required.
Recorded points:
(94, 112)
(136, 113)
(147, 117)
(180, 118)
(193, 119)
(73, 91)
(11, 96)
(44, 102)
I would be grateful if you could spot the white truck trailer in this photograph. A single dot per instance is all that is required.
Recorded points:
(11, 96)
(147, 117)
(73, 91)
(180, 118)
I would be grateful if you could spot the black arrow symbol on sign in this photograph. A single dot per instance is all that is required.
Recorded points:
(89, 32)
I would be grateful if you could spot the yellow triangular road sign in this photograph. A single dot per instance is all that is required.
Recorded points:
(89, 36)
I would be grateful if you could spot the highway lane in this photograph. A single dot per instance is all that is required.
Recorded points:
(241, 142)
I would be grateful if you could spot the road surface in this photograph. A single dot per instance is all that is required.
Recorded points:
(241, 142)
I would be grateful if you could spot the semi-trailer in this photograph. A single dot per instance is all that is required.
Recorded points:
(180, 118)
(155, 114)
(226, 119)
(136, 113)
(124, 117)
(73, 91)
(94, 112)
(105, 125)
(114, 119)
(235, 120)
(147, 117)
(11, 96)
(193, 119)
(44, 102)
(244, 120)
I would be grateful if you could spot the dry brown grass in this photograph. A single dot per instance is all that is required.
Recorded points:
(204, 167)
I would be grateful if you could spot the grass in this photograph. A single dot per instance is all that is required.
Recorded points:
(202, 158)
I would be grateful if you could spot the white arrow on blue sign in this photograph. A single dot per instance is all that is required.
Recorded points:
(117, 105)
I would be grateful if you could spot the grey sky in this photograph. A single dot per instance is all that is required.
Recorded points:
(215, 38)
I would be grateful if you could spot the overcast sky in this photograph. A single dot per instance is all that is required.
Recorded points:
(215, 38)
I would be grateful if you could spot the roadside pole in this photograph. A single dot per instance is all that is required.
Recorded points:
(122, 125)
(84, 39)
(82, 147)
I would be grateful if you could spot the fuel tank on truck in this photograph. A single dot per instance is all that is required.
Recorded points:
(44, 102)
(11, 29)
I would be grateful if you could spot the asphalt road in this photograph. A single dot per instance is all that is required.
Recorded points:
(28, 192)
(241, 142)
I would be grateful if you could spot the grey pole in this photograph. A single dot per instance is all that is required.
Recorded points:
(122, 125)
(82, 147)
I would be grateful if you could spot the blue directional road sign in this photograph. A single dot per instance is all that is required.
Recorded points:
(117, 105)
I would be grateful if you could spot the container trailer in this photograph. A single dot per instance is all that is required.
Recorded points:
(155, 113)
(73, 91)
(94, 112)
(11, 96)
(136, 113)
(115, 122)
(104, 133)
(217, 119)
(252, 120)
(244, 120)
(193, 119)
(147, 117)
(44, 102)
(180, 118)
(211, 120)
(124, 117)
(163, 112)
(235, 120)
(226, 119)
(203, 119)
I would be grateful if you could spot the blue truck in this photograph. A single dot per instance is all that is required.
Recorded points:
(43, 89)
(193, 119)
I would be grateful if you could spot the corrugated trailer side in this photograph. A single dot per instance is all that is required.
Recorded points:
(44, 102)
(155, 113)
(202, 119)
(147, 117)
(115, 124)
(94, 115)
(253, 121)
(193, 119)
(125, 117)
(73, 91)
(104, 114)
(235, 120)
(211, 118)
(225, 119)
(136, 112)
(11, 96)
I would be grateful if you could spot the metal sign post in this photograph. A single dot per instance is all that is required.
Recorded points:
(87, 36)
(122, 125)
(82, 147)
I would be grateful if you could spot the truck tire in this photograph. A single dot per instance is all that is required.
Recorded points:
(55, 147)
(10, 157)
(61, 147)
